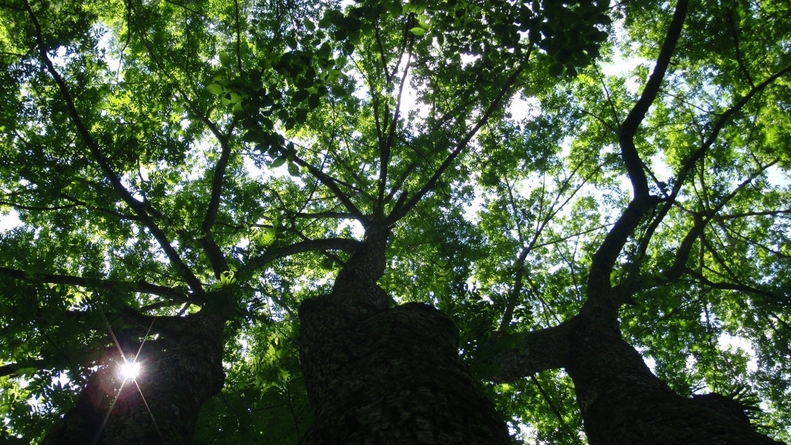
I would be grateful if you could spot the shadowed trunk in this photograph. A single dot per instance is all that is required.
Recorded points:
(380, 375)
(181, 370)
(622, 402)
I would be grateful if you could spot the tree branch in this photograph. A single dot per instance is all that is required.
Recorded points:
(321, 215)
(784, 300)
(213, 252)
(215, 255)
(605, 257)
(531, 352)
(628, 128)
(347, 245)
(739, 59)
(331, 184)
(387, 145)
(399, 212)
(137, 206)
(137, 286)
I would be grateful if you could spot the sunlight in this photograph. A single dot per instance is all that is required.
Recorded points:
(130, 370)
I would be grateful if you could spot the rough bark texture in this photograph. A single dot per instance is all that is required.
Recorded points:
(622, 402)
(620, 399)
(182, 370)
(377, 375)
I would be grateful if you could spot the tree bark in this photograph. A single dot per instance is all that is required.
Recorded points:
(181, 370)
(620, 399)
(622, 402)
(380, 375)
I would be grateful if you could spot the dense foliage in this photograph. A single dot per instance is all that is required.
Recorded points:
(158, 157)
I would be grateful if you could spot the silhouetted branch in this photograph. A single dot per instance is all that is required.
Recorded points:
(628, 128)
(605, 257)
(399, 211)
(104, 165)
(97, 283)
(270, 255)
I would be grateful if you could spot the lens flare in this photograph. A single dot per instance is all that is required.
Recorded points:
(130, 370)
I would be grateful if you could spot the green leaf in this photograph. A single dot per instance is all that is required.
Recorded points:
(215, 89)
(418, 31)
(556, 69)
(266, 236)
(225, 59)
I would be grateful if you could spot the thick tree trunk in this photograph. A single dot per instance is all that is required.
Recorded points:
(181, 370)
(622, 402)
(377, 375)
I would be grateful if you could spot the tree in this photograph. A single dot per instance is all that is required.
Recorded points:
(264, 204)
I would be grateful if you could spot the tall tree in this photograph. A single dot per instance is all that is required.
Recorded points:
(264, 204)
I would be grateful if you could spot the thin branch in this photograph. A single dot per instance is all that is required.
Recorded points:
(739, 59)
(37, 208)
(207, 243)
(118, 215)
(256, 263)
(400, 211)
(378, 38)
(573, 235)
(238, 37)
(629, 127)
(720, 124)
(555, 410)
(332, 184)
(685, 247)
(610, 102)
(320, 215)
(731, 233)
(771, 296)
(384, 155)
(541, 224)
(634, 284)
(187, 8)
(137, 286)
(729, 273)
(104, 165)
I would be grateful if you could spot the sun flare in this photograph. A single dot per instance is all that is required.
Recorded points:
(130, 370)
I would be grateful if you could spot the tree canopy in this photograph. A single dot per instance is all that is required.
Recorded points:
(164, 157)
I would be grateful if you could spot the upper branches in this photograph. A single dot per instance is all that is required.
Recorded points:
(629, 127)
(404, 205)
(605, 257)
(607, 254)
(102, 161)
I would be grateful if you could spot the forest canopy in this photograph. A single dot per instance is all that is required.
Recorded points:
(181, 176)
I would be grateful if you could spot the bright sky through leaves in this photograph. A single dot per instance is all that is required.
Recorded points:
(216, 155)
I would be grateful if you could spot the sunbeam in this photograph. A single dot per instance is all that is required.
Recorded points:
(130, 370)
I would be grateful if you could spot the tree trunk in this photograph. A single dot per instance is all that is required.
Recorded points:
(622, 402)
(620, 399)
(377, 375)
(181, 370)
